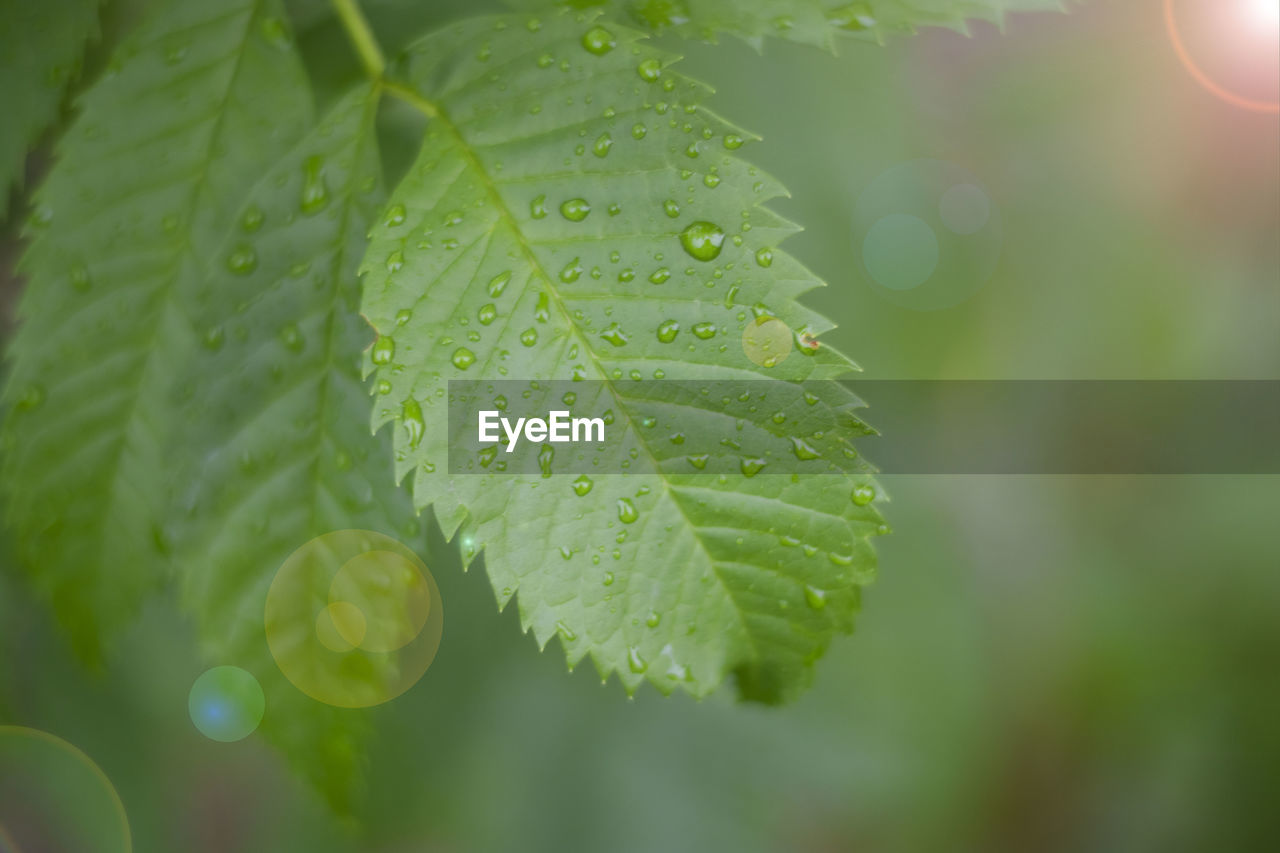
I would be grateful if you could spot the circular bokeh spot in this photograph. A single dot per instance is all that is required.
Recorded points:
(767, 341)
(900, 251)
(964, 209)
(928, 234)
(54, 799)
(226, 704)
(353, 618)
(341, 626)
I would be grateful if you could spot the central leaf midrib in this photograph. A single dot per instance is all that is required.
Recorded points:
(437, 111)
(170, 285)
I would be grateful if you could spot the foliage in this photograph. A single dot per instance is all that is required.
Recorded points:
(184, 393)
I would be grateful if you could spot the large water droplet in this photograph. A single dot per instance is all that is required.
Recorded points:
(498, 283)
(529, 336)
(463, 358)
(599, 41)
(702, 240)
(414, 424)
(815, 598)
(863, 495)
(668, 330)
(571, 271)
(538, 207)
(649, 70)
(602, 145)
(384, 349)
(705, 331)
(487, 314)
(627, 512)
(752, 465)
(614, 335)
(582, 485)
(575, 209)
(802, 449)
(635, 661)
(315, 192)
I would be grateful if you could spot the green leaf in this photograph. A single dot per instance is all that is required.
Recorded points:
(280, 457)
(812, 22)
(193, 107)
(41, 45)
(484, 267)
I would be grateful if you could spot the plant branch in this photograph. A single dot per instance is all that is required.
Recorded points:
(366, 44)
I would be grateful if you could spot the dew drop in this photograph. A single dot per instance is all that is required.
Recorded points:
(802, 449)
(582, 486)
(252, 218)
(705, 331)
(414, 424)
(315, 191)
(80, 279)
(487, 314)
(671, 208)
(291, 338)
(863, 495)
(627, 512)
(614, 335)
(575, 209)
(571, 271)
(599, 41)
(635, 662)
(602, 145)
(649, 70)
(498, 283)
(538, 207)
(529, 336)
(815, 598)
(667, 331)
(702, 240)
(384, 349)
(463, 358)
(243, 260)
(764, 257)
(752, 465)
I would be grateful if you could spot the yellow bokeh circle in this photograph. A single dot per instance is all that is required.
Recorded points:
(353, 618)
(767, 341)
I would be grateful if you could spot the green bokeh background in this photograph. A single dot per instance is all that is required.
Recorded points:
(1046, 663)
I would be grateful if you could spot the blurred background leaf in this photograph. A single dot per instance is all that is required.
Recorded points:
(1044, 663)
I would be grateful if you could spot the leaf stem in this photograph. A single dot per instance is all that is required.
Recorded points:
(357, 27)
(411, 97)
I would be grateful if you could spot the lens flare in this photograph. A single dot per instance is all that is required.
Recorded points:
(353, 618)
(54, 799)
(1258, 22)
